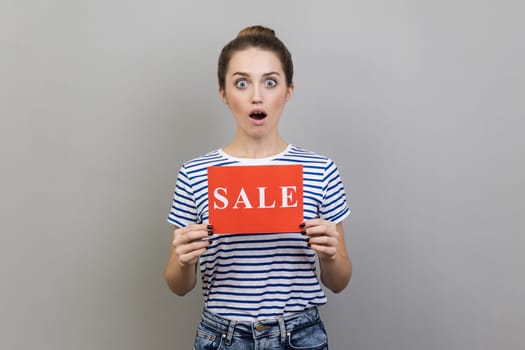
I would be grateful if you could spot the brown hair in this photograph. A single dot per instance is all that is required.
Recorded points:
(259, 37)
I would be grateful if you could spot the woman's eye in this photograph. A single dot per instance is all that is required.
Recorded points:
(270, 83)
(241, 84)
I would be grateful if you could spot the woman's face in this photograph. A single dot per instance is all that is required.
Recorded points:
(256, 92)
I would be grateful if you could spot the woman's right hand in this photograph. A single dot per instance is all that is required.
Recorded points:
(189, 243)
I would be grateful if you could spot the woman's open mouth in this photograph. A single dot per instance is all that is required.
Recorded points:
(258, 115)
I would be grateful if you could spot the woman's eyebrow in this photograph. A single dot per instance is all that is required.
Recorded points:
(243, 74)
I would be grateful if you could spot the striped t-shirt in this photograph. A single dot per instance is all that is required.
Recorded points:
(250, 277)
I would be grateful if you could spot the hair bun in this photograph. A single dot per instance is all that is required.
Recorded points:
(257, 30)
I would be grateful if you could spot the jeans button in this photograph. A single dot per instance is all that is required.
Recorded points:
(260, 327)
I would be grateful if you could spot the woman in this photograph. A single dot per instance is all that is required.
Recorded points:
(260, 290)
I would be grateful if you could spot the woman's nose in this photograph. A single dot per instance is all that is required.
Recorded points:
(256, 96)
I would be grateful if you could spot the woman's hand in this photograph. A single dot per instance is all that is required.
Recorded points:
(323, 237)
(189, 243)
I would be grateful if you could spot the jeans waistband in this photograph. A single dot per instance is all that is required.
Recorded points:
(261, 328)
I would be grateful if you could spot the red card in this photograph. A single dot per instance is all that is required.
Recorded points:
(255, 199)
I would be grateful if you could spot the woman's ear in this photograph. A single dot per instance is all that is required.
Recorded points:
(222, 94)
(289, 91)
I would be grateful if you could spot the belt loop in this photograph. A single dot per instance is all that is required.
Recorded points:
(282, 328)
(229, 336)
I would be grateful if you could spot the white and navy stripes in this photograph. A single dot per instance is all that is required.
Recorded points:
(249, 277)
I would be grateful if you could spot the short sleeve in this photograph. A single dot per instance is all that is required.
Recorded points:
(334, 206)
(183, 209)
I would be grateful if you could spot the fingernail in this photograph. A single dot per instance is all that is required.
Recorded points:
(307, 240)
(308, 245)
(302, 225)
(210, 233)
(210, 227)
(303, 232)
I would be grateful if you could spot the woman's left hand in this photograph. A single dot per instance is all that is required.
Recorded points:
(323, 237)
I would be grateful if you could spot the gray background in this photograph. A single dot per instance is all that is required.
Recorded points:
(420, 103)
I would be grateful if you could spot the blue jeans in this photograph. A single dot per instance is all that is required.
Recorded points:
(304, 331)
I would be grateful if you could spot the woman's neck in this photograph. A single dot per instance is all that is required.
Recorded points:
(261, 148)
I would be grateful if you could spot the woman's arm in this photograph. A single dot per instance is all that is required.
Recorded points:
(327, 239)
(187, 246)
